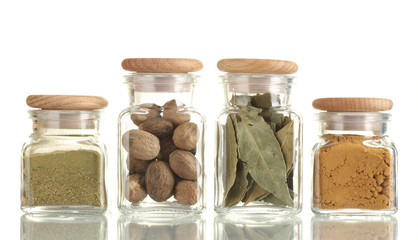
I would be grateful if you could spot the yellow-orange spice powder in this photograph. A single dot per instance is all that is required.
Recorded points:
(351, 173)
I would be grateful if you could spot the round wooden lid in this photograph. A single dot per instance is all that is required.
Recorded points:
(66, 102)
(352, 104)
(268, 66)
(162, 65)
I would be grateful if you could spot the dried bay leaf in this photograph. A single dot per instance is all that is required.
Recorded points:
(261, 100)
(255, 192)
(259, 149)
(238, 190)
(231, 153)
(285, 138)
(275, 201)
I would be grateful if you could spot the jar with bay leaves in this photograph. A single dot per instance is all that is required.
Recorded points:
(258, 167)
(64, 161)
(161, 165)
(355, 161)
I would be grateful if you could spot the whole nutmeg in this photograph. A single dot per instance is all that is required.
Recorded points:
(166, 148)
(173, 104)
(134, 188)
(141, 144)
(151, 106)
(185, 165)
(148, 114)
(160, 127)
(159, 181)
(176, 117)
(137, 165)
(187, 192)
(185, 136)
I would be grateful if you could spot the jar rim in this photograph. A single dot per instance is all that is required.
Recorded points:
(353, 117)
(257, 79)
(66, 115)
(160, 78)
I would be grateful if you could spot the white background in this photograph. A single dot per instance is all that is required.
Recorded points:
(343, 48)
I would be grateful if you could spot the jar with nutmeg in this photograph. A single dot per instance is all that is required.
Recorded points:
(64, 160)
(258, 166)
(161, 165)
(355, 160)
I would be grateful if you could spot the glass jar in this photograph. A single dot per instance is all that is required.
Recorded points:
(355, 161)
(259, 139)
(161, 160)
(64, 161)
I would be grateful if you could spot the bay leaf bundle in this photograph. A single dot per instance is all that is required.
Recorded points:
(259, 148)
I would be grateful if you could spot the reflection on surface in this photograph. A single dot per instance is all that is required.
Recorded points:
(353, 228)
(257, 228)
(63, 227)
(147, 227)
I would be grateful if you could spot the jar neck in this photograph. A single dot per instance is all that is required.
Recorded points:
(240, 89)
(159, 88)
(344, 123)
(65, 123)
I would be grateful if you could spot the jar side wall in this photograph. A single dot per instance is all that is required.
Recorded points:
(369, 162)
(294, 178)
(129, 166)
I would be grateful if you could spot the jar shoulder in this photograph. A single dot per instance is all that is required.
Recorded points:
(327, 141)
(45, 144)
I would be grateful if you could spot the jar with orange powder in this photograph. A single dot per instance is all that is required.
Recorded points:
(355, 162)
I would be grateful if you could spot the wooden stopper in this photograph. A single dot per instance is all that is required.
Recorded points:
(162, 65)
(352, 104)
(267, 66)
(66, 102)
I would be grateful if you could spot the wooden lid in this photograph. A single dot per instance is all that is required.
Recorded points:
(352, 104)
(66, 102)
(162, 65)
(268, 66)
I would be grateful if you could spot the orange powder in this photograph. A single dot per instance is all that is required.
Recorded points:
(350, 173)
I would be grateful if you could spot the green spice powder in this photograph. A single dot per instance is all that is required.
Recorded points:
(64, 178)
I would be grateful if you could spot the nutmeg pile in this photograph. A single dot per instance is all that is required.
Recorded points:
(161, 157)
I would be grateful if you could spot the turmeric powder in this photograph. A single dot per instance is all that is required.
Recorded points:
(351, 171)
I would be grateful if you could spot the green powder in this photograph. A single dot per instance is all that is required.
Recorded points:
(64, 178)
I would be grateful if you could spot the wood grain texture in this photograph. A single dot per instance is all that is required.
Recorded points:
(353, 104)
(268, 66)
(162, 65)
(66, 102)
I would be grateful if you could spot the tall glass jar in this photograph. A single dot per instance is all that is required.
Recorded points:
(64, 161)
(161, 160)
(259, 143)
(355, 161)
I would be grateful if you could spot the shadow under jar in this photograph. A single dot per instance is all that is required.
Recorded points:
(259, 139)
(355, 162)
(161, 165)
(64, 161)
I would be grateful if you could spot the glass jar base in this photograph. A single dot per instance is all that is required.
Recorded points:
(255, 210)
(160, 208)
(64, 209)
(354, 211)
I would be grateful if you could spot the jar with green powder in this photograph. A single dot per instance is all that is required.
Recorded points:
(63, 164)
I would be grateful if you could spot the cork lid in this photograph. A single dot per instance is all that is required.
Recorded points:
(266, 66)
(353, 104)
(162, 65)
(66, 102)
